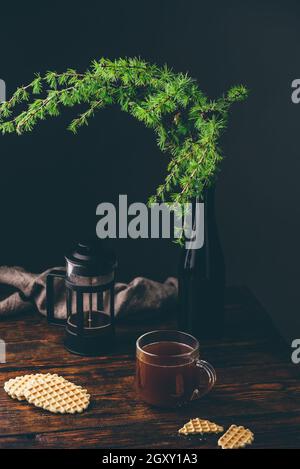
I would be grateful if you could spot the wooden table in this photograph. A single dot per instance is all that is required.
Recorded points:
(258, 387)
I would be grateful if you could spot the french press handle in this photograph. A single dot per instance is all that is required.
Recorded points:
(55, 273)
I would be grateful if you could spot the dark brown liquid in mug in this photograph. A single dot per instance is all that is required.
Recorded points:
(165, 380)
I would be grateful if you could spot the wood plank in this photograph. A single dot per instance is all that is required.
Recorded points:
(43, 354)
(278, 430)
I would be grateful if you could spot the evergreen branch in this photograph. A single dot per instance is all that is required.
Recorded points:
(187, 124)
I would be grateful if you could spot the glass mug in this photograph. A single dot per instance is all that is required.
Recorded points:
(169, 372)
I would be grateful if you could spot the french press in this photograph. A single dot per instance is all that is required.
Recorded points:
(89, 282)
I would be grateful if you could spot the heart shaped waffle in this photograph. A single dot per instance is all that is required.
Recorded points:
(196, 426)
(236, 437)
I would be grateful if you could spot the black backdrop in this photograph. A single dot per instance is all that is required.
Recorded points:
(51, 181)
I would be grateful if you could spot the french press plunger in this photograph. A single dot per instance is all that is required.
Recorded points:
(89, 281)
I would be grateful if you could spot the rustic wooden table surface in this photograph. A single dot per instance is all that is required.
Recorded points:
(257, 386)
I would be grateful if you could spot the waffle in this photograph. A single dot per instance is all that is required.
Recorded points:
(236, 437)
(196, 426)
(57, 395)
(15, 387)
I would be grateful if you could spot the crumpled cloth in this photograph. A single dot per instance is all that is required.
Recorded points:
(21, 290)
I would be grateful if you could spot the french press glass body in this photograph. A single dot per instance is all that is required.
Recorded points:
(89, 281)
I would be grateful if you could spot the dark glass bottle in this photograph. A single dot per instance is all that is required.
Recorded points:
(202, 281)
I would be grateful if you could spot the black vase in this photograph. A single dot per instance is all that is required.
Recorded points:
(202, 281)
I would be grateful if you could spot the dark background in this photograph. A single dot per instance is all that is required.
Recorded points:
(51, 181)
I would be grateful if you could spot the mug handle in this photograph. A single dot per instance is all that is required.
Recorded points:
(212, 378)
